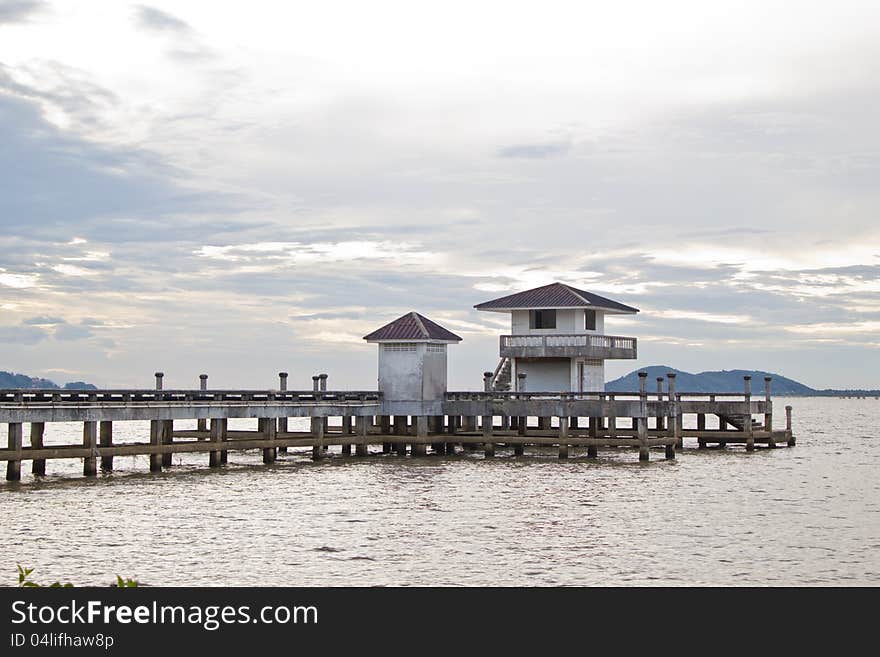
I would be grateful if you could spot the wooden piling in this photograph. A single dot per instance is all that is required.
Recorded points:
(488, 420)
(90, 441)
(13, 468)
(701, 427)
(38, 466)
(105, 439)
(675, 417)
(791, 438)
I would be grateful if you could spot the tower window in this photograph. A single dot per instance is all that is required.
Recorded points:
(542, 319)
(590, 320)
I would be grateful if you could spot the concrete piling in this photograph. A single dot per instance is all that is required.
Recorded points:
(105, 439)
(642, 421)
(38, 467)
(563, 437)
(660, 424)
(317, 431)
(202, 424)
(360, 424)
(90, 442)
(791, 438)
(747, 418)
(155, 439)
(768, 411)
(167, 430)
(13, 467)
(159, 380)
(218, 434)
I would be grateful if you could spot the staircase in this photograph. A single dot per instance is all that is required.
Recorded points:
(501, 378)
(737, 421)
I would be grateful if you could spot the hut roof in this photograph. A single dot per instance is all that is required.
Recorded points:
(555, 295)
(412, 326)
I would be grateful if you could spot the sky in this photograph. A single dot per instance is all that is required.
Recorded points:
(243, 188)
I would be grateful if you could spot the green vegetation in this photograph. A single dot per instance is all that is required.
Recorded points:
(25, 581)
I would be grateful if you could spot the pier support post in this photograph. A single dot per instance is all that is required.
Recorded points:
(105, 439)
(747, 418)
(90, 442)
(155, 439)
(675, 419)
(282, 421)
(202, 424)
(400, 429)
(660, 424)
(38, 466)
(488, 419)
(218, 435)
(346, 431)
(563, 437)
(592, 449)
(791, 438)
(768, 412)
(167, 438)
(13, 468)
(317, 430)
(360, 425)
(642, 420)
(701, 428)
(420, 448)
(267, 430)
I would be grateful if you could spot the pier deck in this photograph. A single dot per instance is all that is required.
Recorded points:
(460, 421)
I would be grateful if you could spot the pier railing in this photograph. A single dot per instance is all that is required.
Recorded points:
(566, 345)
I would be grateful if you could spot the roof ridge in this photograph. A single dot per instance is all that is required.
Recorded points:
(420, 323)
(575, 292)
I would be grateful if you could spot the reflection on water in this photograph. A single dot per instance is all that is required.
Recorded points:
(808, 515)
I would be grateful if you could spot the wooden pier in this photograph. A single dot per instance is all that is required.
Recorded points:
(488, 420)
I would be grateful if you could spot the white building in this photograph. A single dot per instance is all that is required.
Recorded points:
(557, 339)
(412, 358)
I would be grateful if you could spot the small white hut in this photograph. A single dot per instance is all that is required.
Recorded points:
(557, 339)
(412, 358)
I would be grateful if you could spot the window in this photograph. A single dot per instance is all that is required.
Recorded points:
(542, 319)
(590, 320)
(437, 348)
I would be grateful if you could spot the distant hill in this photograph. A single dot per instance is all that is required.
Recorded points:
(11, 380)
(724, 381)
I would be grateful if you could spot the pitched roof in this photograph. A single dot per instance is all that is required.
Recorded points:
(413, 326)
(555, 295)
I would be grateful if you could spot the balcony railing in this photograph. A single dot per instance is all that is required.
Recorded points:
(566, 345)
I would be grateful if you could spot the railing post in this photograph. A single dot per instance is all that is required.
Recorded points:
(674, 420)
(281, 424)
(661, 425)
(202, 424)
(747, 418)
(642, 422)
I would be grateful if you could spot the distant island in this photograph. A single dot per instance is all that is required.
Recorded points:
(12, 380)
(729, 381)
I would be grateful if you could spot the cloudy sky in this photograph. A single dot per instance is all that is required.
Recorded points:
(239, 188)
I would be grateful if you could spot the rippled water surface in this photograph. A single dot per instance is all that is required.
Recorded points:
(807, 515)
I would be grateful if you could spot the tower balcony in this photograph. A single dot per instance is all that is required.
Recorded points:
(575, 345)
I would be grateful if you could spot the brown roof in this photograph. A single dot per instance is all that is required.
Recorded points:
(413, 326)
(555, 295)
